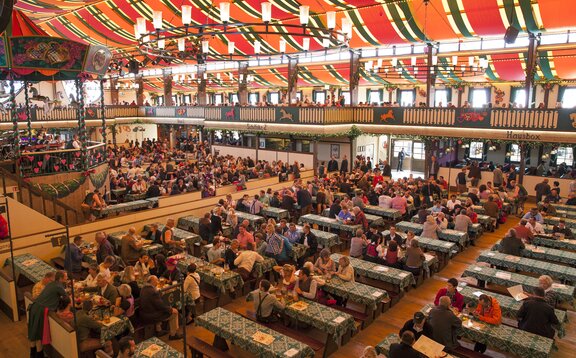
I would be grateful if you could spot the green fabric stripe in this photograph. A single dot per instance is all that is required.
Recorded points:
(248, 9)
(398, 21)
(340, 4)
(335, 73)
(109, 24)
(545, 65)
(289, 39)
(511, 14)
(405, 7)
(452, 75)
(457, 16)
(360, 28)
(309, 77)
(77, 32)
(529, 19)
(406, 74)
(370, 77)
(116, 9)
(278, 75)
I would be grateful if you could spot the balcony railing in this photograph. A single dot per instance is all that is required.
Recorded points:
(473, 118)
(59, 160)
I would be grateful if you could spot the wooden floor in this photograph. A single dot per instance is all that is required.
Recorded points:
(15, 344)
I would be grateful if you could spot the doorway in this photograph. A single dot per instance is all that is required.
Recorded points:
(414, 155)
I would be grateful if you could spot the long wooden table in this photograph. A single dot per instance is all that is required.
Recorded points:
(545, 254)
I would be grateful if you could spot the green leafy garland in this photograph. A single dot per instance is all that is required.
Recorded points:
(99, 180)
(61, 190)
(353, 132)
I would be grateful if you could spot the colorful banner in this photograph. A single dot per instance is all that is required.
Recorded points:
(37, 52)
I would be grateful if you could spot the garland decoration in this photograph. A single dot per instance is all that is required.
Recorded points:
(99, 179)
(14, 117)
(61, 190)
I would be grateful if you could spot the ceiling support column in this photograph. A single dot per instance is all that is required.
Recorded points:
(354, 77)
(531, 69)
(201, 85)
(292, 80)
(167, 78)
(114, 93)
(242, 82)
(139, 84)
(430, 77)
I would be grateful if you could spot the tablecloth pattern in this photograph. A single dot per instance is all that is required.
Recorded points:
(383, 212)
(116, 241)
(276, 213)
(35, 271)
(563, 207)
(192, 224)
(239, 331)
(254, 219)
(298, 251)
(430, 244)
(505, 338)
(554, 220)
(545, 253)
(459, 237)
(488, 274)
(553, 243)
(324, 238)
(559, 272)
(108, 332)
(227, 281)
(322, 317)
(167, 351)
(356, 292)
(509, 305)
(323, 221)
(384, 346)
(189, 237)
(391, 275)
(122, 207)
(261, 268)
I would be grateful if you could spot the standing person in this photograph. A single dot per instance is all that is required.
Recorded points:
(475, 174)
(433, 168)
(445, 324)
(48, 300)
(321, 169)
(73, 259)
(537, 316)
(386, 169)
(245, 261)
(332, 165)
(104, 249)
(304, 199)
(265, 303)
(344, 165)
(542, 189)
(401, 156)
(309, 240)
(498, 177)
(461, 181)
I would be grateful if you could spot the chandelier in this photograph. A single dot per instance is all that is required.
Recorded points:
(191, 41)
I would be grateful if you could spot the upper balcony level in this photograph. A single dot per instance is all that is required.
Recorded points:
(562, 120)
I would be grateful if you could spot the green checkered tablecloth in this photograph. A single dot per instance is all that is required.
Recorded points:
(378, 272)
(116, 240)
(355, 292)
(563, 207)
(559, 272)
(374, 219)
(566, 214)
(505, 338)
(122, 207)
(189, 237)
(239, 331)
(118, 192)
(508, 305)
(323, 221)
(552, 220)
(255, 220)
(509, 279)
(475, 229)
(384, 346)
(192, 224)
(275, 213)
(549, 241)
(324, 238)
(30, 266)
(227, 281)
(431, 244)
(546, 254)
(298, 251)
(459, 237)
(383, 212)
(261, 268)
(325, 318)
(166, 352)
(134, 197)
(115, 328)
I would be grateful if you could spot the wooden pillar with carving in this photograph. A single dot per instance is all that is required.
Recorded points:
(354, 76)
(522, 147)
(430, 77)
(139, 85)
(114, 93)
(292, 80)
(201, 85)
(242, 82)
(531, 68)
(167, 79)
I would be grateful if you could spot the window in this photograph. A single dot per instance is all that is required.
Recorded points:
(346, 95)
(519, 97)
(441, 97)
(419, 152)
(319, 97)
(476, 150)
(565, 155)
(299, 95)
(253, 98)
(514, 153)
(160, 100)
(569, 98)
(274, 97)
(233, 98)
(374, 97)
(174, 100)
(217, 99)
(187, 99)
(406, 98)
(479, 97)
(402, 144)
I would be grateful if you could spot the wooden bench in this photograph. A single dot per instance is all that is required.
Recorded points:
(58, 262)
(359, 317)
(464, 352)
(279, 327)
(201, 349)
(210, 298)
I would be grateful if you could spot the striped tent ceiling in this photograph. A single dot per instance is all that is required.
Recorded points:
(376, 23)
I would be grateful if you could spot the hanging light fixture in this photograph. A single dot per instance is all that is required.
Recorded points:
(413, 61)
(306, 44)
(157, 19)
(331, 19)
(230, 47)
(257, 47)
(161, 44)
(304, 12)
(454, 60)
(282, 46)
(181, 44)
(141, 22)
(186, 14)
(205, 46)
(224, 11)
(266, 12)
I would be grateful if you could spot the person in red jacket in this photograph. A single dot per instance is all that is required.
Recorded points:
(488, 310)
(456, 299)
(3, 228)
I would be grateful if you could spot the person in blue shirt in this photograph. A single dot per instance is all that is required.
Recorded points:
(279, 247)
(437, 208)
(73, 259)
(345, 216)
(534, 213)
(293, 234)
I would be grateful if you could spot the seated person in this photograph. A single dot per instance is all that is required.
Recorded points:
(192, 290)
(293, 234)
(404, 348)
(130, 247)
(537, 316)
(345, 216)
(345, 270)
(561, 230)
(104, 288)
(265, 303)
(216, 252)
(418, 326)
(534, 213)
(548, 209)
(488, 310)
(125, 302)
(154, 234)
(64, 311)
(358, 244)
(90, 280)
(88, 330)
(143, 266)
(126, 347)
(172, 273)
(414, 258)
(153, 309)
(309, 240)
(393, 235)
(324, 265)
(511, 244)
(305, 285)
(456, 298)
(245, 261)
(278, 247)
